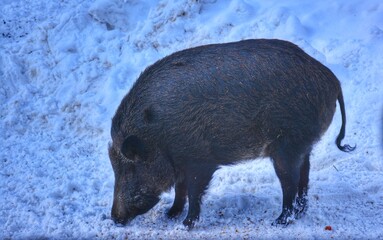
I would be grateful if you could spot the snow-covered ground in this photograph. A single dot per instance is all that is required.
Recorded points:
(65, 66)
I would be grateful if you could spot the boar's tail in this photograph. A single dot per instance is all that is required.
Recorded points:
(346, 147)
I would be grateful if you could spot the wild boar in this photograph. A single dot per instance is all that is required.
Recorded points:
(200, 108)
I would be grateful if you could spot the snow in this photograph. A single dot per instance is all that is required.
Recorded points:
(65, 66)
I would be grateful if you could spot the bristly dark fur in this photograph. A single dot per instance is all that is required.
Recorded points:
(216, 105)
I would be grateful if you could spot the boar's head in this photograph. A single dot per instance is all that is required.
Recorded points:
(141, 175)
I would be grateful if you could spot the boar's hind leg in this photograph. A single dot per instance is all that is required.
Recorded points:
(179, 200)
(301, 202)
(198, 178)
(287, 164)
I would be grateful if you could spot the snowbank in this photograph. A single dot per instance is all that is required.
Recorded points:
(65, 66)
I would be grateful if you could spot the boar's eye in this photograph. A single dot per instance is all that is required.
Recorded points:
(119, 162)
(114, 156)
(133, 147)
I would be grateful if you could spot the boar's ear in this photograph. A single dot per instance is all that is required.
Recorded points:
(133, 147)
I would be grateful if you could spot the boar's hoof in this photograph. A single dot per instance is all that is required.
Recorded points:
(300, 207)
(189, 223)
(284, 219)
(174, 212)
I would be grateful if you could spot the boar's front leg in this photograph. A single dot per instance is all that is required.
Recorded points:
(198, 178)
(180, 198)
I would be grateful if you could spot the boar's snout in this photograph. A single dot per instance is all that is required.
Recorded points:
(120, 214)
(123, 215)
(120, 221)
